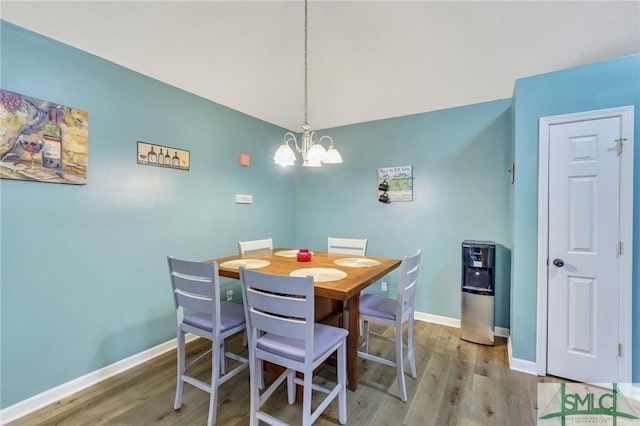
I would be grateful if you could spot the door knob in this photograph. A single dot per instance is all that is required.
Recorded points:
(558, 262)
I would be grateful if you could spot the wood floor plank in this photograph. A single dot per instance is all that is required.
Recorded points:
(392, 410)
(459, 383)
(457, 393)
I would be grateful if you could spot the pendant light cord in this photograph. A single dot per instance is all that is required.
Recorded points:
(306, 98)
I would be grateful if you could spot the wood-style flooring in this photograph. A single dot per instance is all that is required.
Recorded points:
(459, 383)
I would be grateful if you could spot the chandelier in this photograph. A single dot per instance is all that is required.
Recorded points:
(313, 153)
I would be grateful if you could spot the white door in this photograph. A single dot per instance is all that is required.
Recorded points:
(583, 272)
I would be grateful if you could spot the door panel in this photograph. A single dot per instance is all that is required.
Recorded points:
(583, 232)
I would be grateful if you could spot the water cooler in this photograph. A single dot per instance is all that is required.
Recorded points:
(478, 292)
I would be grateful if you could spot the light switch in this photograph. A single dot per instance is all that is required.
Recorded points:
(244, 199)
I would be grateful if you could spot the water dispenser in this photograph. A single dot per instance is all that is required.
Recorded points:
(478, 292)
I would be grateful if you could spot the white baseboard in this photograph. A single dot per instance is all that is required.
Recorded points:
(453, 322)
(57, 393)
(520, 365)
(635, 392)
(437, 319)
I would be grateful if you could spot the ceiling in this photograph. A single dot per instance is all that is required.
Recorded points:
(367, 59)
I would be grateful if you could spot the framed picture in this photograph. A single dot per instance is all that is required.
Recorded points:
(151, 154)
(42, 141)
(399, 181)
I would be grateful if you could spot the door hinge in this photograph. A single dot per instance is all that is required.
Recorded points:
(619, 143)
(619, 349)
(619, 248)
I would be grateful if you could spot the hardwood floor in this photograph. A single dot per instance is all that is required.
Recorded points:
(459, 383)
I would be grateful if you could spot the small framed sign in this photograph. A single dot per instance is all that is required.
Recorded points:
(399, 183)
(151, 154)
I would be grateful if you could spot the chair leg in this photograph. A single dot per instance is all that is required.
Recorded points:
(180, 356)
(342, 381)
(224, 362)
(400, 364)
(260, 373)
(217, 353)
(291, 387)
(254, 404)
(366, 336)
(306, 398)
(410, 353)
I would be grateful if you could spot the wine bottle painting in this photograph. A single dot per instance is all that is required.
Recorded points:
(162, 156)
(42, 141)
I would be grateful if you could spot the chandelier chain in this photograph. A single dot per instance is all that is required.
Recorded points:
(305, 63)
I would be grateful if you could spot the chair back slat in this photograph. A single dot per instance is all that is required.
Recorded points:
(407, 283)
(352, 246)
(255, 245)
(194, 303)
(195, 287)
(294, 307)
(279, 304)
(290, 327)
(279, 284)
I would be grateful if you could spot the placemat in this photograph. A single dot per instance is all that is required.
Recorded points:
(356, 262)
(320, 274)
(247, 263)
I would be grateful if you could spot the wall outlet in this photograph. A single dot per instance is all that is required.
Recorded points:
(229, 295)
(383, 286)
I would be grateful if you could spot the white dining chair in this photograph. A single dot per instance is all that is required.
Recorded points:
(354, 246)
(199, 310)
(394, 313)
(280, 322)
(255, 245)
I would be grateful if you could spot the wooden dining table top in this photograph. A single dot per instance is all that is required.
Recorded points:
(357, 278)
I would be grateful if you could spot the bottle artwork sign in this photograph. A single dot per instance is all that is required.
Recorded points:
(162, 156)
(42, 141)
(396, 182)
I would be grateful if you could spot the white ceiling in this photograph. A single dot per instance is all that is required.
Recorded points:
(367, 59)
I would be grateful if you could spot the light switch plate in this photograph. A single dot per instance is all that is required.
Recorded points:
(244, 199)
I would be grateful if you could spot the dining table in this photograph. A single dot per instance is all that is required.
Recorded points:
(338, 281)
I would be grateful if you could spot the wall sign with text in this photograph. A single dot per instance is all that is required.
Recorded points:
(399, 181)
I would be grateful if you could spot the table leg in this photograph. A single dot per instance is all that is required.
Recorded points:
(351, 323)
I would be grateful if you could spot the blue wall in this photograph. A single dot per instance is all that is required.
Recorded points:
(95, 242)
(83, 268)
(460, 159)
(604, 85)
(84, 274)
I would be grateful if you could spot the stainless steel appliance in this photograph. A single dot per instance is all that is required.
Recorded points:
(478, 291)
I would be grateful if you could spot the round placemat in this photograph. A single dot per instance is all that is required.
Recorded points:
(320, 274)
(288, 253)
(356, 262)
(247, 263)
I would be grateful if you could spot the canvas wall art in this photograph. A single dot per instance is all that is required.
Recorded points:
(42, 141)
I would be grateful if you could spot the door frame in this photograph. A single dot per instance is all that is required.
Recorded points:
(626, 233)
